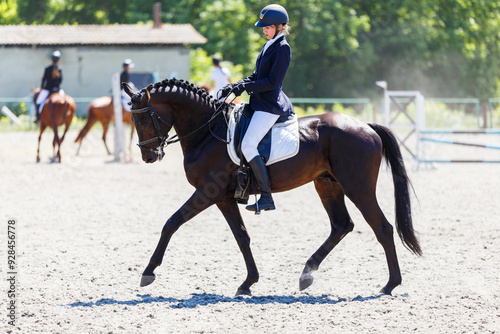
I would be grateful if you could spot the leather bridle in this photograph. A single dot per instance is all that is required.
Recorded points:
(162, 140)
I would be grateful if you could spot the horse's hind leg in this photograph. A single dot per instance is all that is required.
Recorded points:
(67, 122)
(332, 197)
(43, 126)
(56, 141)
(83, 132)
(105, 126)
(363, 194)
(66, 127)
(230, 210)
(384, 232)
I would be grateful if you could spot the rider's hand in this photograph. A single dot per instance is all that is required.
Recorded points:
(238, 89)
(225, 91)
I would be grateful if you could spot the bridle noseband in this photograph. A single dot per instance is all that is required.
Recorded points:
(162, 140)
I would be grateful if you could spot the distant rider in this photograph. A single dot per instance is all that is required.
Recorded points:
(51, 82)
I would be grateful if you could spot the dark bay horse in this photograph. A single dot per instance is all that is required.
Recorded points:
(57, 110)
(101, 110)
(340, 154)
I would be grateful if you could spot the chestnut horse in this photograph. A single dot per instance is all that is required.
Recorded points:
(340, 154)
(57, 110)
(101, 110)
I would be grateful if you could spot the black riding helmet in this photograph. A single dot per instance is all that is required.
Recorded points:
(272, 14)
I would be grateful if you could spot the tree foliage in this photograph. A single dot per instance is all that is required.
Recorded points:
(444, 48)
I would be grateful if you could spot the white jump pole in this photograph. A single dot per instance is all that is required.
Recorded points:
(117, 105)
(13, 118)
(386, 116)
(419, 126)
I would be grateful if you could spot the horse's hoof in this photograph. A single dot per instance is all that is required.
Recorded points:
(243, 292)
(305, 281)
(147, 279)
(386, 291)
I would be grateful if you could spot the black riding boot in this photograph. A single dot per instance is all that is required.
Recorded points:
(259, 170)
(37, 114)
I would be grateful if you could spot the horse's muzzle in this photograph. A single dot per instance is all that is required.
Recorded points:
(153, 156)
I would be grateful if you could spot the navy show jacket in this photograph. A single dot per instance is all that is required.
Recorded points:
(264, 85)
(48, 82)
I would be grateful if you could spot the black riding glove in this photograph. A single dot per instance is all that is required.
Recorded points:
(238, 89)
(225, 91)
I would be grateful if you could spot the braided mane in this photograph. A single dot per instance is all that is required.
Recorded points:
(201, 92)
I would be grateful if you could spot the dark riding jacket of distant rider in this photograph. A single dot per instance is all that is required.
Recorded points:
(49, 81)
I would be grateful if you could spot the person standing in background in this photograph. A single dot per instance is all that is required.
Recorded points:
(219, 77)
(125, 77)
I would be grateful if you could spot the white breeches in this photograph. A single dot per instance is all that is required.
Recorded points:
(260, 124)
(42, 97)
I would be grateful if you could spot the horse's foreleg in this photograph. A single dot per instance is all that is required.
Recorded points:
(332, 197)
(194, 205)
(230, 210)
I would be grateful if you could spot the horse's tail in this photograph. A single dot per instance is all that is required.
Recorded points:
(88, 125)
(401, 181)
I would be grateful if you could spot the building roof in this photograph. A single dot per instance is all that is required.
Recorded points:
(116, 34)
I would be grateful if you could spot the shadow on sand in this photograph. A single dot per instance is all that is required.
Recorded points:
(205, 299)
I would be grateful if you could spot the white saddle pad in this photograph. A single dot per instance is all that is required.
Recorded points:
(284, 139)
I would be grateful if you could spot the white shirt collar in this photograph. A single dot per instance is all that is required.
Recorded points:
(275, 38)
(271, 41)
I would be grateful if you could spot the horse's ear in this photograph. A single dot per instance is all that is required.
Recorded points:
(130, 92)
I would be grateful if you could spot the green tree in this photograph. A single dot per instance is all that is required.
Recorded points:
(92, 12)
(33, 11)
(324, 41)
(444, 48)
(8, 10)
(225, 23)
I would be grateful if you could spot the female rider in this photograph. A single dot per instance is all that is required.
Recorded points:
(266, 96)
(51, 82)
